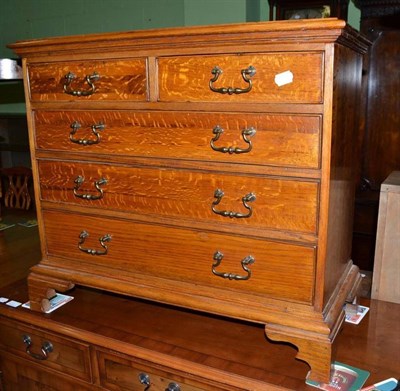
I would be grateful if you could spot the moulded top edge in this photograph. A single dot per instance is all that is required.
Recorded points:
(328, 30)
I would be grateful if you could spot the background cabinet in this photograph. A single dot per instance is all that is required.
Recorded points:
(380, 120)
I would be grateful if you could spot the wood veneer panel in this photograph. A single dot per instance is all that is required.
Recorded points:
(183, 255)
(187, 78)
(119, 80)
(285, 140)
(279, 204)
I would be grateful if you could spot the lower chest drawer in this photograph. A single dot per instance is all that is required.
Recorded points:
(236, 202)
(65, 355)
(21, 375)
(128, 374)
(234, 264)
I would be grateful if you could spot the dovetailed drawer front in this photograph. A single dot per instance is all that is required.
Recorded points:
(280, 140)
(120, 373)
(266, 78)
(65, 355)
(121, 80)
(243, 201)
(182, 255)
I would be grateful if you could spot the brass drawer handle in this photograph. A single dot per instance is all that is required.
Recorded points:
(249, 260)
(47, 347)
(246, 75)
(86, 196)
(246, 135)
(103, 240)
(90, 79)
(82, 141)
(173, 387)
(218, 194)
(144, 379)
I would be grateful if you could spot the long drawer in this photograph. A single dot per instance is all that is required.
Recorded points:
(123, 80)
(272, 139)
(235, 263)
(237, 200)
(276, 78)
(53, 351)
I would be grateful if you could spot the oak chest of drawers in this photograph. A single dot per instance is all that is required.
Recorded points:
(209, 168)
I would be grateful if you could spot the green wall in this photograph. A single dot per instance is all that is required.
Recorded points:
(28, 19)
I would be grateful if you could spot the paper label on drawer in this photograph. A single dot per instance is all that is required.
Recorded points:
(283, 78)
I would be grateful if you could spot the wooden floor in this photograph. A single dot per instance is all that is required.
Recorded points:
(19, 246)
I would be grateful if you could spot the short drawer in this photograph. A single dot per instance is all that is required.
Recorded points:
(123, 373)
(201, 258)
(236, 201)
(22, 375)
(277, 78)
(65, 355)
(246, 138)
(89, 80)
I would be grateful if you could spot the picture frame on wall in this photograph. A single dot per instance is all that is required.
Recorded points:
(308, 9)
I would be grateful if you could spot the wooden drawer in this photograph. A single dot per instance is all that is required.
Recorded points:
(21, 375)
(279, 140)
(187, 78)
(243, 201)
(118, 80)
(125, 374)
(66, 355)
(182, 255)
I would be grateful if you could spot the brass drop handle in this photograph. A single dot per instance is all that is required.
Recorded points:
(90, 79)
(249, 260)
(173, 387)
(87, 196)
(246, 135)
(47, 347)
(96, 129)
(247, 74)
(218, 195)
(144, 379)
(103, 240)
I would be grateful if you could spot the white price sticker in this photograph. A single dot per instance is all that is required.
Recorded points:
(283, 78)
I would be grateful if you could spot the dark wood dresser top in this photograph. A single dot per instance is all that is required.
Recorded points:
(143, 328)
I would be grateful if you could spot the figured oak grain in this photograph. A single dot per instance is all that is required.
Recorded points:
(280, 140)
(119, 80)
(280, 203)
(184, 255)
(187, 78)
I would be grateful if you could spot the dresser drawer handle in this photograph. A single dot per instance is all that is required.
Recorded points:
(86, 196)
(144, 379)
(47, 347)
(173, 387)
(103, 240)
(90, 79)
(249, 260)
(82, 141)
(246, 135)
(246, 75)
(218, 194)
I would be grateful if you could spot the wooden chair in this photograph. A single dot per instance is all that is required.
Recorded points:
(17, 194)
